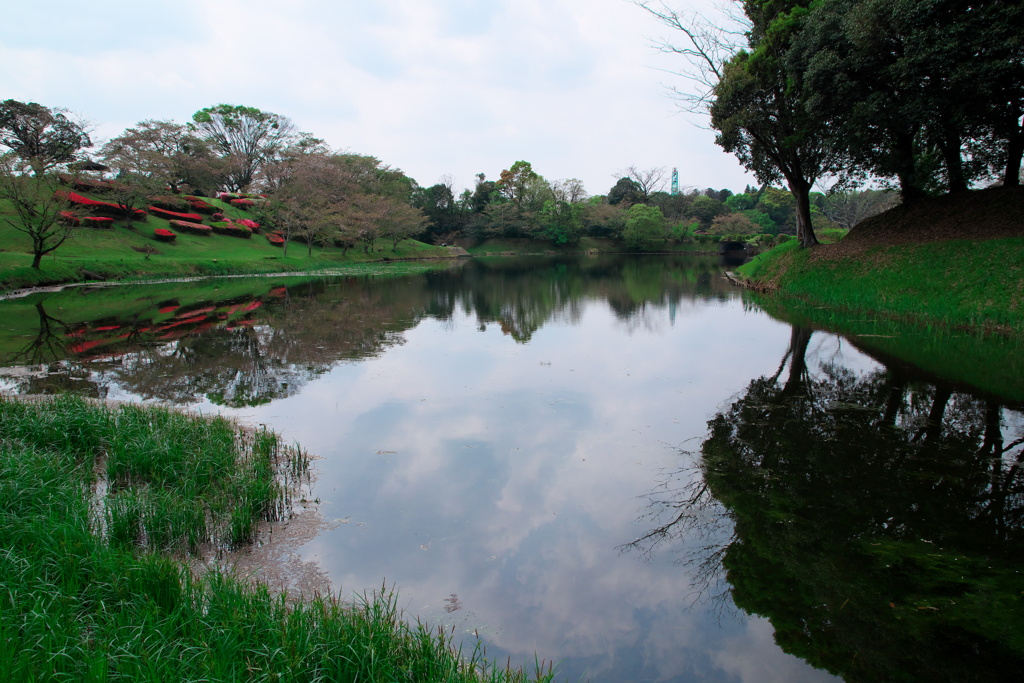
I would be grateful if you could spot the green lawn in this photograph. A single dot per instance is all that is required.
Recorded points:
(121, 253)
(965, 283)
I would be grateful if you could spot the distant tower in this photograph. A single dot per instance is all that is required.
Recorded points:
(675, 181)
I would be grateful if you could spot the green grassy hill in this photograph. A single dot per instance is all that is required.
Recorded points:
(955, 260)
(129, 251)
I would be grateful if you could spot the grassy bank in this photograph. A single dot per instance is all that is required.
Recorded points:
(91, 501)
(960, 283)
(128, 251)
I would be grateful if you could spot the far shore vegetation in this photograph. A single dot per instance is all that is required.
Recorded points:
(239, 190)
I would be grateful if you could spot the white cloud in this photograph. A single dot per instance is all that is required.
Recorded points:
(448, 87)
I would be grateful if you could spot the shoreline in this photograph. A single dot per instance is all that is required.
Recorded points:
(342, 270)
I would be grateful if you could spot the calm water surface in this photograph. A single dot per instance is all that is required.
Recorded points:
(523, 449)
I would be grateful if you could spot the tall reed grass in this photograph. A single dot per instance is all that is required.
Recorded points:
(89, 493)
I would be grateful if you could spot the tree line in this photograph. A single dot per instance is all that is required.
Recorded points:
(923, 96)
(315, 195)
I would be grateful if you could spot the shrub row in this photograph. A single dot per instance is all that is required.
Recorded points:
(70, 218)
(169, 202)
(200, 205)
(102, 222)
(192, 228)
(228, 196)
(98, 206)
(232, 229)
(276, 239)
(164, 235)
(164, 213)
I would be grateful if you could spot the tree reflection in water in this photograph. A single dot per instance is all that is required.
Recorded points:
(876, 520)
(268, 343)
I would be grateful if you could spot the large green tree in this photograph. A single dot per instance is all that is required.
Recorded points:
(625, 191)
(41, 136)
(644, 224)
(929, 93)
(561, 221)
(445, 215)
(514, 183)
(247, 136)
(757, 103)
(759, 110)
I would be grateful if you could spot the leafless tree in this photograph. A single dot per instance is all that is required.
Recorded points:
(311, 198)
(169, 153)
(570, 190)
(37, 205)
(705, 47)
(648, 180)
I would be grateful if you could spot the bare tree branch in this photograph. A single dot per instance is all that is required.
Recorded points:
(703, 45)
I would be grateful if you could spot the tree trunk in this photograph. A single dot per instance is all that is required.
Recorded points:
(951, 157)
(801, 190)
(894, 399)
(933, 426)
(906, 165)
(1014, 153)
(799, 339)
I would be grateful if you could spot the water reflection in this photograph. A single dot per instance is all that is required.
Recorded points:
(243, 344)
(490, 434)
(876, 519)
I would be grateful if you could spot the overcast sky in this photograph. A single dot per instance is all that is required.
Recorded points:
(433, 87)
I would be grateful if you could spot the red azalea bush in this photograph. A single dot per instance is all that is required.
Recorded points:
(217, 216)
(276, 239)
(251, 224)
(192, 228)
(102, 222)
(242, 203)
(164, 213)
(69, 218)
(233, 229)
(98, 206)
(164, 235)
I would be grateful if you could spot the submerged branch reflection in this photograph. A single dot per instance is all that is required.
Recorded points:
(691, 523)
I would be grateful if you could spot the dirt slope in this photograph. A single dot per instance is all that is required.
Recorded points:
(976, 215)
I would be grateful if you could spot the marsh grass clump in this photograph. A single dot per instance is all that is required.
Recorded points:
(175, 482)
(88, 496)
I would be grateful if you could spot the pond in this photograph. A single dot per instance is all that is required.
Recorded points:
(623, 465)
